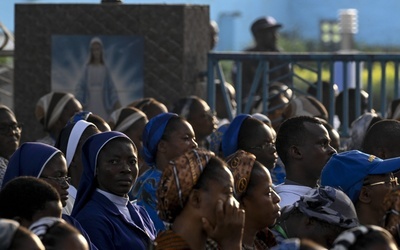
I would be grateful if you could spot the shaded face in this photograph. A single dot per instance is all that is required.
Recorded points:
(135, 133)
(261, 196)
(155, 109)
(117, 167)
(52, 209)
(55, 173)
(76, 167)
(10, 134)
(277, 106)
(262, 145)
(379, 187)
(72, 107)
(316, 149)
(221, 189)
(267, 38)
(202, 119)
(73, 241)
(180, 141)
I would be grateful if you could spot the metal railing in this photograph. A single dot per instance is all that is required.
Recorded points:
(323, 66)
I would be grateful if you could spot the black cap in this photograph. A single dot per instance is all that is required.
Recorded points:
(263, 23)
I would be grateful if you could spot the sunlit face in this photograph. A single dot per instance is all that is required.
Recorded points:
(221, 189)
(10, 134)
(261, 196)
(316, 149)
(55, 173)
(180, 141)
(117, 167)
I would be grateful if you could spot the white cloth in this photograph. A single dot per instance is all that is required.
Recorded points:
(120, 202)
(290, 193)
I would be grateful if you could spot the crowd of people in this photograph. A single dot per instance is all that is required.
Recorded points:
(180, 176)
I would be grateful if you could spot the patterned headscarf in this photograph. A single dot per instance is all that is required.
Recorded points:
(29, 160)
(7, 231)
(50, 107)
(90, 152)
(230, 137)
(178, 180)
(121, 119)
(348, 238)
(326, 204)
(241, 163)
(216, 139)
(152, 134)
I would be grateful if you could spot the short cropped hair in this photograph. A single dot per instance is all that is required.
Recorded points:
(24, 196)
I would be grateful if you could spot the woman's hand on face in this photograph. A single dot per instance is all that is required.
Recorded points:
(229, 227)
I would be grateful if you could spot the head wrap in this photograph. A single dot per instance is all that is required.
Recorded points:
(262, 118)
(152, 134)
(326, 204)
(50, 107)
(83, 115)
(29, 160)
(69, 137)
(178, 180)
(230, 137)
(348, 239)
(123, 118)
(41, 226)
(90, 152)
(241, 163)
(7, 231)
(216, 139)
(2, 106)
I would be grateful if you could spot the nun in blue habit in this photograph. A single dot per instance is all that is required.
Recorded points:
(102, 205)
(31, 159)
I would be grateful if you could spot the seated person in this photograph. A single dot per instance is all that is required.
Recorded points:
(366, 179)
(53, 111)
(195, 195)
(251, 135)
(102, 205)
(320, 215)
(197, 112)
(70, 142)
(27, 199)
(253, 189)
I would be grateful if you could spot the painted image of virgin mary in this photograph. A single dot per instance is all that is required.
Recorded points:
(96, 90)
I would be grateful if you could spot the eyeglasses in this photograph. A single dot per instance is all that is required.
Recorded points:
(264, 146)
(393, 182)
(5, 128)
(60, 180)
